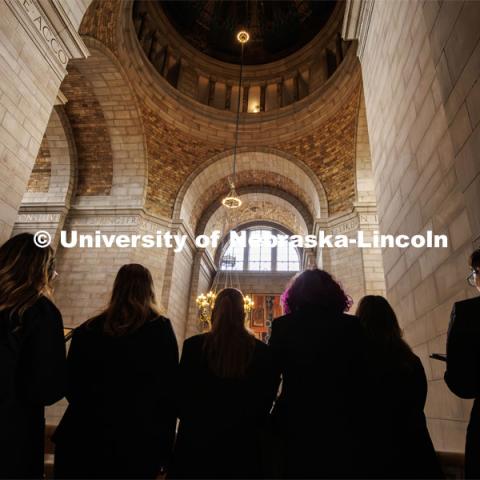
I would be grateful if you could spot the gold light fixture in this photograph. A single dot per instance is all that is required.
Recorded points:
(206, 301)
(248, 303)
(232, 200)
(243, 36)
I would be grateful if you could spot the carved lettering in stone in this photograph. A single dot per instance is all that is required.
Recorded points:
(153, 227)
(345, 227)
(365, 218)
(38, 218)
(42, 26)
(105, 221)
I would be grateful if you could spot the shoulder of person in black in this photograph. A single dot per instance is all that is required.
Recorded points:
(304, 324)
(196, 342)
(42, 309)
(94, 327)
(317, 314)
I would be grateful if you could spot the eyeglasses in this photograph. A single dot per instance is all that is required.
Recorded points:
(472, 278)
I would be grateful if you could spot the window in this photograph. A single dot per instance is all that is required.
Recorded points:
(258, 255)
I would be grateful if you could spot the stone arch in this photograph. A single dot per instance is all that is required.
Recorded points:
(269, 206)
(364, 182)
(63, 159)
(259, 159)
(258, 193)
(124, 124)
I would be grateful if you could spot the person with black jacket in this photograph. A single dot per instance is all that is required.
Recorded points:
(402, 442)
(122, 364)
(227, 385)
(32, 354)
(463, 363)
(319, 350)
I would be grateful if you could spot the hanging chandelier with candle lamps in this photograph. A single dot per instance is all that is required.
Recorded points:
(206, 301)
(232, 200)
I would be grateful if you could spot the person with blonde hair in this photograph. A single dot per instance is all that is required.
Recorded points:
(32, 354)
(227, 384)
(120, 420)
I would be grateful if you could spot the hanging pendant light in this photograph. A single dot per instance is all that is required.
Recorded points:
(232, 200)
(206, 301)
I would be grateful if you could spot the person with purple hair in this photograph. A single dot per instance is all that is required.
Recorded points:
(320, 352)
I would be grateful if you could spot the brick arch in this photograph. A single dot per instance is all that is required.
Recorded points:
(254, 180)
(92, 140)
(53, 181)
(123, 124)
(259, 159)
(255, 194)
(39, 180)
(269, 207)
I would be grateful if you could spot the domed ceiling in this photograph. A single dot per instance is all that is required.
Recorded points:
(277, 28)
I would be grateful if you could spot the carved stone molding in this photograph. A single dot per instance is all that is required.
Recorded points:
(356, 22)
(50, 29)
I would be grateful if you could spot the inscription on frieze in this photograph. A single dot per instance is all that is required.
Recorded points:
(345, 227)
(38, 218)
(372, 218)
(106, 221)
(45, 30)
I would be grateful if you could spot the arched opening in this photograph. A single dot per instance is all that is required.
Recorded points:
(259, 248)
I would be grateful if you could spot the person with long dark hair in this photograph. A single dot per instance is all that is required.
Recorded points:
(403, 445)
(32, 354)
(227, 384)
(320, 352)
(120, 421)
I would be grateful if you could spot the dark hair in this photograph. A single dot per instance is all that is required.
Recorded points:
(381, 326)
(26, 273)
(229, 345)
(132, 303)
(475, 259)
(315, 288)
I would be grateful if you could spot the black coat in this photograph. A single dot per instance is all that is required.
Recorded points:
(399, 431)
(33, 363)
(321, 356)
(120, 421)
(463, 372)
(221, 420)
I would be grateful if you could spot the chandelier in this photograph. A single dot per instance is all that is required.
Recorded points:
(206, 301)
(248, 303)
(232, 200)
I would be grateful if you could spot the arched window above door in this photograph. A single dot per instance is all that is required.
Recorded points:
(257, 254)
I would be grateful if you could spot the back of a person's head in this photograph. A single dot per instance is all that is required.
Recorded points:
(315, 288)
(229, 345)
(381, 324)
(132, 303)
(26, 273)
